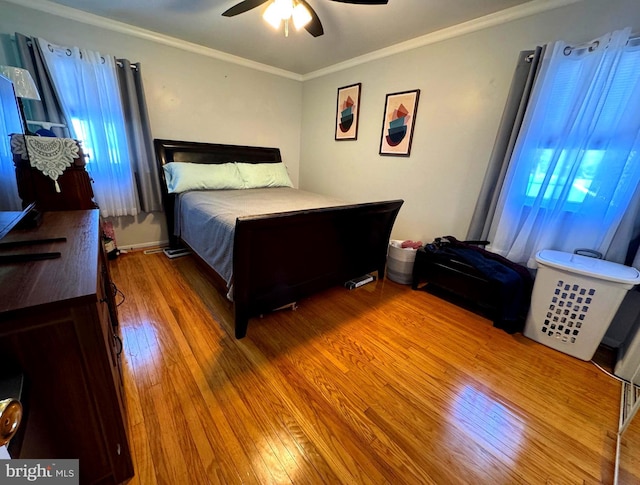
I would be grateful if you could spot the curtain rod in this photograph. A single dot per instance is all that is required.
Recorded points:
(593, 45)
(30, 44)
(132, 66)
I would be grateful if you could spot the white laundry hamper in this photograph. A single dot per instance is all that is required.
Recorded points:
(574, 300)
(400, 262)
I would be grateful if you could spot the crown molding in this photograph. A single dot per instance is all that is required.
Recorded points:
(491, 20)
(123, 28)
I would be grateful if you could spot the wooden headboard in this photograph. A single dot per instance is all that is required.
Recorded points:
(168, 151)
(194, 152)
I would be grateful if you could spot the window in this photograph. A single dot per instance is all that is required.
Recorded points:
(87, 85)
(578, 186)
(574, 168)
(9, 123)
(82, 130)
(578, 167)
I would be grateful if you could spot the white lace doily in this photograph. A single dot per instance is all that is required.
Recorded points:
(51, 156)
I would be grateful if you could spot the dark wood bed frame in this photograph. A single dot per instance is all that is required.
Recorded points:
(281, 258)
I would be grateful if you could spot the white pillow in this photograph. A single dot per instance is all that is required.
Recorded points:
(257, 175)
(182, 176)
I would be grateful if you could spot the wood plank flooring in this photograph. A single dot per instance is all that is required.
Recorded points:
(381, 384)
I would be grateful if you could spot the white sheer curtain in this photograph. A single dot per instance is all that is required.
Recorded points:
(576, 163)
(87, 85)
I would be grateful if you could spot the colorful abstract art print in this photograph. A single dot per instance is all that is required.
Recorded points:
(348, 112)
(400, 111)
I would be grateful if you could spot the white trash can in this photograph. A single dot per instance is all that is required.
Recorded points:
(574, 301)
(400, 262)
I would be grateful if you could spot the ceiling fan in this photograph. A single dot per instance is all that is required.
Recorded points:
(309, 20)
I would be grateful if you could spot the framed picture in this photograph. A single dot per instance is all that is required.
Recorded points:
(348, 111)
(400, 111)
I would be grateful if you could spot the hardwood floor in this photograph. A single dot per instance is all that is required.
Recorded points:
(381, 384)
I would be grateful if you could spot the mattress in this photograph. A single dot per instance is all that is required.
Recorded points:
(206, 220)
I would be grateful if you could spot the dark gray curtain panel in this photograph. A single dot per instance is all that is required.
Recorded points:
(139, 136)
(512, 116)
(48, 108)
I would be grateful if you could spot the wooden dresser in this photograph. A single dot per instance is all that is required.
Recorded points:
(58, 326)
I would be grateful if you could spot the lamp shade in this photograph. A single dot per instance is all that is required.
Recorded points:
(23, 83)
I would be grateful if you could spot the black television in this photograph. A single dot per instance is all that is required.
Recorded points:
(10, 123)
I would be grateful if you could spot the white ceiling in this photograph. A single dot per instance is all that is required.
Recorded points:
(350, 30)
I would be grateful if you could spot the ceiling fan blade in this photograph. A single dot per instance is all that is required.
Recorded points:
(243, 7)
(363, 2)
(314, 27)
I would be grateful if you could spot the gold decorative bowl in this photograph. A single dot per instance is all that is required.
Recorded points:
(10, 417)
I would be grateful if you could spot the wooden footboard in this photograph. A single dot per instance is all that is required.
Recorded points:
(281, 258)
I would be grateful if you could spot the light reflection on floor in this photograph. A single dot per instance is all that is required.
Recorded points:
(489, 423)
(141, 344)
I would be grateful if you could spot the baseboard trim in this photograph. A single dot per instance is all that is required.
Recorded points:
(146, 245)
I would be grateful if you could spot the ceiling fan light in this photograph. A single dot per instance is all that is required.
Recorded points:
(285, 8)
(301, 16)
(272, 16)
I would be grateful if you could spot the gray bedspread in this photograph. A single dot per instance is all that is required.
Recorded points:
(206, 219)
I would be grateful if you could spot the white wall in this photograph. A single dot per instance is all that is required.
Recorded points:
(189, 97)
(464, 83)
